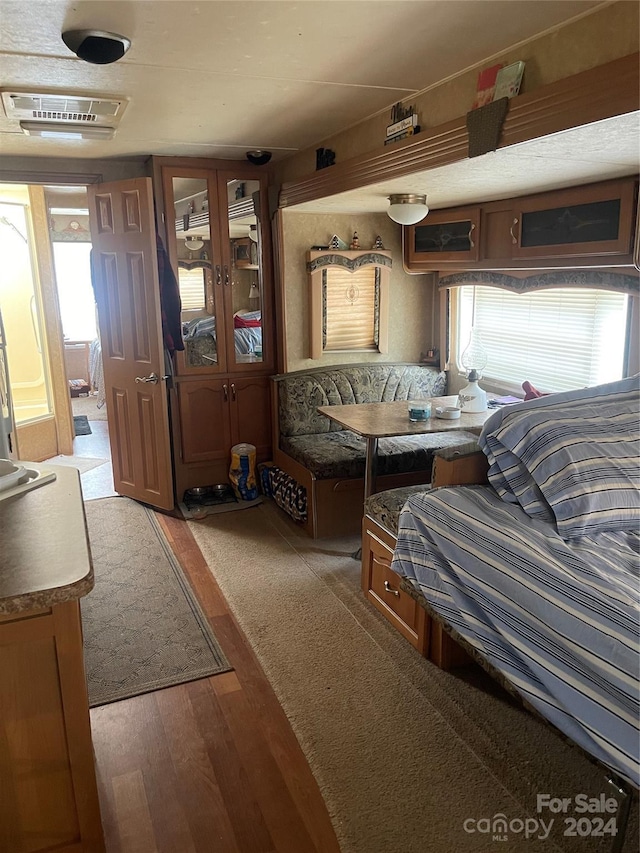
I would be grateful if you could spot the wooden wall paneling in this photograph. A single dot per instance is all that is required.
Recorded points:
(278, 236)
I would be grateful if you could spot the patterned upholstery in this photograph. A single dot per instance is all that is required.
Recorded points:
(342, 454)
(300, 393)
(287, 493)
(385, 507)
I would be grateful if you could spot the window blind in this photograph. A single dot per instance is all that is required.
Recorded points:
(558, 339)
(191, 285)
(350, 309)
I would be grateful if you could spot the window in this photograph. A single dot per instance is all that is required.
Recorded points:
(191, 284)
(349, 301)
(351, 315)
(558, 339)
(75, 293)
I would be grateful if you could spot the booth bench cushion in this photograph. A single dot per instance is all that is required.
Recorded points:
(300, 394)
(342, 454)
(385, 507)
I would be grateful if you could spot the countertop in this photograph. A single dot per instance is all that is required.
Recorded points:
(44, 549)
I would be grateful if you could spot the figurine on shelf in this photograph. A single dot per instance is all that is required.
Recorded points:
(378, 244)
(355, 243)
(337, 243)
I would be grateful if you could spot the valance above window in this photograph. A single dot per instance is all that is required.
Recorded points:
(587, 278)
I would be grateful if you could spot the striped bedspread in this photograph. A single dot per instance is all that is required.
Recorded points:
(558, 618)
(572, 457)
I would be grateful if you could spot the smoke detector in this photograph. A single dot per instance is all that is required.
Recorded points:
(70, 111)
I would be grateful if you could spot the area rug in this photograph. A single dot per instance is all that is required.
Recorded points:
(143, 627)
(81, 425)
(82, 463)
(408, 758)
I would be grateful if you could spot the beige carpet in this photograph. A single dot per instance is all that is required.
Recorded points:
(403, 752)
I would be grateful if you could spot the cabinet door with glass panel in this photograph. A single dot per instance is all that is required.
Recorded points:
(217, 248)
(249, 318)
(445, 235)
(195, 248)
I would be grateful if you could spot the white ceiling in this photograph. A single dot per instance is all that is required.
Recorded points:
(215, 79)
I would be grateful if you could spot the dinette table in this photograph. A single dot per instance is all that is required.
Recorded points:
(382, 420)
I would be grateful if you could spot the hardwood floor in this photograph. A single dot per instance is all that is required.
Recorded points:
(211, 766)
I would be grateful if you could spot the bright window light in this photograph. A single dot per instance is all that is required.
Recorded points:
(558, 339)
(75, 293)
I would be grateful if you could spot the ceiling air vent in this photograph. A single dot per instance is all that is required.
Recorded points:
(78, 109)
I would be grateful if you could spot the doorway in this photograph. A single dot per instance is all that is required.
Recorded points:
(52, 343)
(70, 237)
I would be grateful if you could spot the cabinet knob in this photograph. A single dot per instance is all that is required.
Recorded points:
(514, 239)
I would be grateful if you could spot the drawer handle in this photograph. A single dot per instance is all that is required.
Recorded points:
(514, 239)
(389, 588)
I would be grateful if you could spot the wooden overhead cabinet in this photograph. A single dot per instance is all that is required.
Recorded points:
(589, 220)
(592, 225)
(445, 235)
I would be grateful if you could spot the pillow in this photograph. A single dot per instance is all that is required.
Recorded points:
(243, 323)
(579, 451)
(530, 392)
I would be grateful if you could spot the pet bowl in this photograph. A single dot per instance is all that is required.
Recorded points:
(197, 492)
(220, 489)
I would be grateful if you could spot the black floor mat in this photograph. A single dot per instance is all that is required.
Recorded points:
(81, 425)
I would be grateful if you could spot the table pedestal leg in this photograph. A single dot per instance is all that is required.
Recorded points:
(370, 470)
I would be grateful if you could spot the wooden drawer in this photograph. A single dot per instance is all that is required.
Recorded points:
(383, 591)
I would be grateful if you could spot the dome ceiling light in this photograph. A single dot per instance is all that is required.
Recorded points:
(407, 208)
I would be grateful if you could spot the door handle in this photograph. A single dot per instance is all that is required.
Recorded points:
(233, 391)
(152, 378)
(226, 392)
(226, 275)
(514, 239)
(218, 275)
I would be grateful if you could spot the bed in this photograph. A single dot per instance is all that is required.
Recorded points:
(537, 572)
(199, 336)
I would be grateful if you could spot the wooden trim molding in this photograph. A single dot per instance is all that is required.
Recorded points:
(599, 93)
